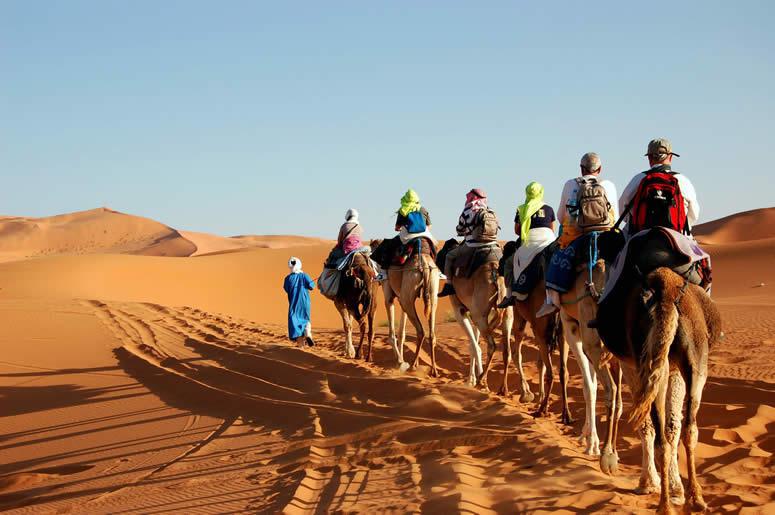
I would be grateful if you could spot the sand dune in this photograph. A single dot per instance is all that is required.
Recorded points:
(758, 224)
(87, 232)
(145, 384)
(105, 231)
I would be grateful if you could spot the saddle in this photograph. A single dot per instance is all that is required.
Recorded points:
(472, 258)
(393, 253)
(660, 247)
(468, 259)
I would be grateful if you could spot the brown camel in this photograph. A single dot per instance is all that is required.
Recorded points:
(578, 308)
(475, 300)
(356, 300)
(417, 278)
(661, 328)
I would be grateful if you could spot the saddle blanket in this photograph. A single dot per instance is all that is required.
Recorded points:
(468, 259)
(683, 246)
(562, 267)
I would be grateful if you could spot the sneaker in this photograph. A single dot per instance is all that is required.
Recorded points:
(447, 290)
(506, 302)
(310, 341)
(442, 277)
(546, 309)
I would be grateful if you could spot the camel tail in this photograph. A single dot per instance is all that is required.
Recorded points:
(653, 370)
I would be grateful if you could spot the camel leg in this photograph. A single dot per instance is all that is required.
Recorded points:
(676, 393)
(347, 324)
(476, 352)
(525, 395)
(362, 329)
(695, 382)
(482, 324)
(506, 325)
(609, 459)
(589, 436)
(616, 369)
(567, 419)
(371, 333)
(398, 346)
(402, 330)
(391, 315)
(434, 300)
(649, 482)
(411, 312)
(659, 416)
(541, 375)
(547, 377)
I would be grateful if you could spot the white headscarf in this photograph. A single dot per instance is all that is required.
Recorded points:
(351, 216)
(295, 265)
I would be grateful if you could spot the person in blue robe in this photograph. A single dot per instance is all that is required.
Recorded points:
(298, 285)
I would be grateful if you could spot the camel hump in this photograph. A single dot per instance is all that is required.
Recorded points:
(666, 283)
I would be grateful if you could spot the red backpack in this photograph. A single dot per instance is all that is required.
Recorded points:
(658, 203)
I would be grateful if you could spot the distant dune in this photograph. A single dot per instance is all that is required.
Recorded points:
(758, 224)
(105, 231)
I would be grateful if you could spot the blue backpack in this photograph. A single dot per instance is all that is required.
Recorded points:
(415, 223)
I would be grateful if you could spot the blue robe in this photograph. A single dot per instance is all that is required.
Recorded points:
(297, 286)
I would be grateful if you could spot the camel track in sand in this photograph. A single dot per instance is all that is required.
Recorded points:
(343, 438)
(312, 432)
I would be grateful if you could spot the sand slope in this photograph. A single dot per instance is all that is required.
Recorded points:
(758, 224)
(86, 232)
(106, 231)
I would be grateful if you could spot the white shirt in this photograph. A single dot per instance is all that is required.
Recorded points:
(691, 205)
(571, 190)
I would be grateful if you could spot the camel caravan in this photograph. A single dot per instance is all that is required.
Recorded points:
(624, 288)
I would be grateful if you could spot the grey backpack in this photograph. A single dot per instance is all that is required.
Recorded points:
(592, 204)
(487, 226)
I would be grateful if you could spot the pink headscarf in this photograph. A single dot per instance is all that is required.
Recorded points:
(476, 200)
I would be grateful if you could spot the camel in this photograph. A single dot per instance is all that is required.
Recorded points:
(474, 305)
(578, 308)
(661, 328)
(418, 277)
(356, 300)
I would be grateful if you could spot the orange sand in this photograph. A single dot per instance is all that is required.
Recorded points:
(137, 383)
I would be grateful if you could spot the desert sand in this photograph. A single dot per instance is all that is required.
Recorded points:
(135, 382)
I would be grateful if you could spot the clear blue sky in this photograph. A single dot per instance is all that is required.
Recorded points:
(275, 117)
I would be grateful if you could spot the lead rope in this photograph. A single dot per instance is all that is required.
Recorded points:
(593, 255)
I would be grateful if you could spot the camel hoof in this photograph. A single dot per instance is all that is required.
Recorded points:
(592, 450)
(504, 392)
(351, 352)
(434, 373)
(697, 505)
(482, 385)
(538, 413)
(527, 396)
(646, 489)
(403, 367)
(357, 355)
(609, 463)
(567, 420)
